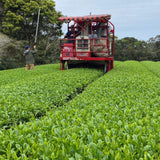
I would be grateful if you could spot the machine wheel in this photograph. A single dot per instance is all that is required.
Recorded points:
(67, 66)
(62, 63)
(105, 67)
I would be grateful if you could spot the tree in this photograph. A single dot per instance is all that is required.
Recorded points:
(2, 14)
(130, 48)
(21, 19)
(124, 48)
(154, 44)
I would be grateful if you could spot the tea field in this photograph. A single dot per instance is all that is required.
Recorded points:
(81, 114)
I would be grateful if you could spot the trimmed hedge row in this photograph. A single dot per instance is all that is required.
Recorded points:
(33, 97)
(116, 117)
(154, 67)
(13, 75)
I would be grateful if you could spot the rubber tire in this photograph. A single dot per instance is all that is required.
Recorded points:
(105, 68)
(67, 66)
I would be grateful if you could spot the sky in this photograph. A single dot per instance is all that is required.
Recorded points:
(132, 18)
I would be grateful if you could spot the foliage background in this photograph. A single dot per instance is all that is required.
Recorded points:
(19, 20)
(130, 48)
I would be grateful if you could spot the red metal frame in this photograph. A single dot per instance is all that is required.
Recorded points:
(72, 49)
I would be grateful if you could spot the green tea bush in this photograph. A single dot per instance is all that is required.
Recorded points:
(33, 97)
(13, 75)
(116, 117)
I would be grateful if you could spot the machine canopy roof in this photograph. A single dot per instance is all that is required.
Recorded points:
(86, 18)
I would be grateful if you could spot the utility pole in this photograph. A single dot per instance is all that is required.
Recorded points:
(37, 26)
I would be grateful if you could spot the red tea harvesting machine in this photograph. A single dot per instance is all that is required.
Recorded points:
(88, 42)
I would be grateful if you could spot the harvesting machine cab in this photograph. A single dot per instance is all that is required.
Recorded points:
(88, 42)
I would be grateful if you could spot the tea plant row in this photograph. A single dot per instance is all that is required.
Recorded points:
(154, 67)
(13, 75)
(116, 117)
(33, 97)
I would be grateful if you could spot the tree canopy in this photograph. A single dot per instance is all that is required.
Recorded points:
(129, 48)
(20, 19)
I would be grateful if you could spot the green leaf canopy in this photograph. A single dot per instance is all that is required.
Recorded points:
(20, 19)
